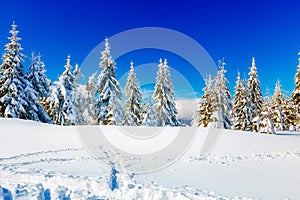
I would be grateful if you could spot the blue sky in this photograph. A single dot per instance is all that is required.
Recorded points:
(235, 30)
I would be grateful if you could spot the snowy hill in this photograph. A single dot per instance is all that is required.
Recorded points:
(40, 161)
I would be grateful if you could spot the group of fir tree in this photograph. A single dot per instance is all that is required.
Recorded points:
(19, 92)
(32, 96)
(160, 111)
(249, 111)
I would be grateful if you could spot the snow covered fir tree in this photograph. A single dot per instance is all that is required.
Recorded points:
(133, 105)
(91, 90)
(108, 109)
(240, 115)
(81, 98)
(203, 117)
(59, 104)
(38, 78)
(164, 98)
(221, 100)
(296, 94)
(149, 115)
(255, 93)
(215, 108)
(18, 98)
(263, 122)
(277, 114)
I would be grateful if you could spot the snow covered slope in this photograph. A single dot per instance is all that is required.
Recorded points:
(40, 161)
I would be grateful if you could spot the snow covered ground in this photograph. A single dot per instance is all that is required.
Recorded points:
(40, 161)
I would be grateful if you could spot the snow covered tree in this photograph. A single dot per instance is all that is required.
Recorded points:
(91, 85)
(35, 110)
(170, 96)
(133, 105)
(222, 107)
(245, 85)
(262, 123)
(108, 109)
(54, 103)
(277, 114)
(77, 73)
(38, 78)
(288, 110)
(203, 117)
(255, 94)
(268, 98)
(13, 102)
(60, 106)
(82, 104)
(149, 115)
(18, 99)
(240, 115)
(91, 88)
(296, 94)
(164, 97)
(80, 95)
(67, 78)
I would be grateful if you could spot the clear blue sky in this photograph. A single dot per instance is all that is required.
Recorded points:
(236, 30)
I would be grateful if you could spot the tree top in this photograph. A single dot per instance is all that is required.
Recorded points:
(160, 61)
(165, 61)
(253, 61)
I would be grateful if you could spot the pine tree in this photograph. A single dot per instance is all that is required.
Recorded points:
(222, 107)
(247, 109)
(263, 123)
(60, 106)
(203, 117)
(18, 99)
(149, 115)
(296, 95)
(79, 95)
(255, 94)
(67, 79)
(108, 110)
(268, 98)
(53, 104)
(12, 99)
(164, 97)
(92, 84)
(38, 78)
(288, 110)
(133, 105)
(170, 96)
(77, 73)
(91, 88)
(240, 115)
(35, 110)
(277, 114)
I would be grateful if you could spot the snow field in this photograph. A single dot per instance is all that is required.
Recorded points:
(39, 161)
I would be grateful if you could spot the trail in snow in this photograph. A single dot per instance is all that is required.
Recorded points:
(38, 153)
(23, 180)
(230, 160)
